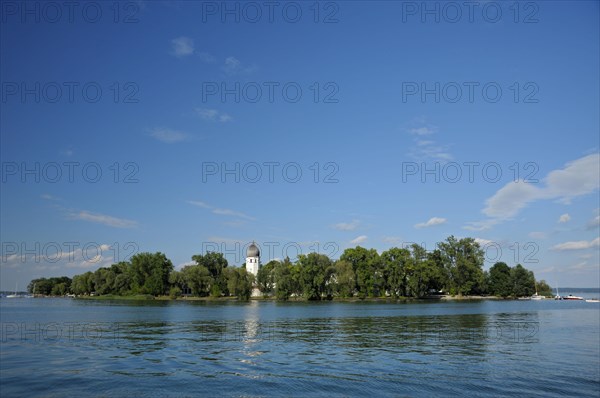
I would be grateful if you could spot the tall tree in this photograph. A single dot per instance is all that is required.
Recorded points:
(265, 278)
(523, 281)
(367, 268)
(215, 263)
(150, 273)
(464, 261)
(500, 282)
(344, 279)
(395, 262)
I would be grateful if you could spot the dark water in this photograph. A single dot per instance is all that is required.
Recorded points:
(62, 347)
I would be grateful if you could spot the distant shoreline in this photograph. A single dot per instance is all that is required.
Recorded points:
(292, 299)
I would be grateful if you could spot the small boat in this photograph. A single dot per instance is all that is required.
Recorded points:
(14, 295)
(571, 297)
(536, 296)
(595, 300)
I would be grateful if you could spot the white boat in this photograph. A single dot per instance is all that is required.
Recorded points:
(571, 297)
(536, 296)
(14, 295)
(557, 297)
(592, 301)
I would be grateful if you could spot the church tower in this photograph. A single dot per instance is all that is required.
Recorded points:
(253, 259)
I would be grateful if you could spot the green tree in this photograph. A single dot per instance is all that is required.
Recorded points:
(344, 279)
(284, 280)
(315, 275)
(198, 279)
(419, 271)
(439, 277)
(463, 260)
(174, 292)
(544, 288)
(215, 263)
(239, 282)
(150, 273)
(266, 277)
(366, 265)
(523, 281)
(395, 262)
(500, 280)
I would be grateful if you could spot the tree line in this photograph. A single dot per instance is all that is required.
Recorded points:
(454, 267)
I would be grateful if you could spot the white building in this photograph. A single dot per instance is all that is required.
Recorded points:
(253, 259)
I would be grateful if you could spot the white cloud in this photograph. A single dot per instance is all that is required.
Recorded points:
(180, 266)
(510, 199)
(564, 218)
(199, 204)
(480, 225)
(49, 197)
(537, 235)
(234, 66)
(169, 136)
(92, 255)
(103, 219)
(394, 240)
(422, 131)
(229, 212)
(431, 222)
(219, 211)
(213, 114)
(577, 178)
(594, 223)
(482, 242)
(358, 240)
(347, 226)
(182, 46)
(206, 58)
(577, 245)
(224, 118)
(428, 149)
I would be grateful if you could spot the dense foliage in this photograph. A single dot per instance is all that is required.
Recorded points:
(455, 267)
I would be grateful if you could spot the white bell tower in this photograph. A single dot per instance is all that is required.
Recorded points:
(253, 259)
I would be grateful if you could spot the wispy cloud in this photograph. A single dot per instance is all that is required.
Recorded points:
(594, 223)
(431, 222)
(221, 211)
(428, 149)
(104, 219)
(182, 46)
(169, 136)
(537, 235)
(346, 226)
(49, 197)
(199, 204)
(577, 245)
(422, 130)
(213, 114)
(234, 66)
(359, 239)
(577, 178)
(206, 58)
(393, 240)
(229, 212)
(564, 218)
(93, 255)
(482, 241)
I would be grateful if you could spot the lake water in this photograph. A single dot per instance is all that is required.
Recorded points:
(63, 347)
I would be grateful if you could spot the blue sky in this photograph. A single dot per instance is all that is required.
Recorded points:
(144, 130)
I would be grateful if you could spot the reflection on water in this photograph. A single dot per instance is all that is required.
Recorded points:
(272, 349)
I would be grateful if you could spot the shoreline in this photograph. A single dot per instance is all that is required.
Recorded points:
(291, 299)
